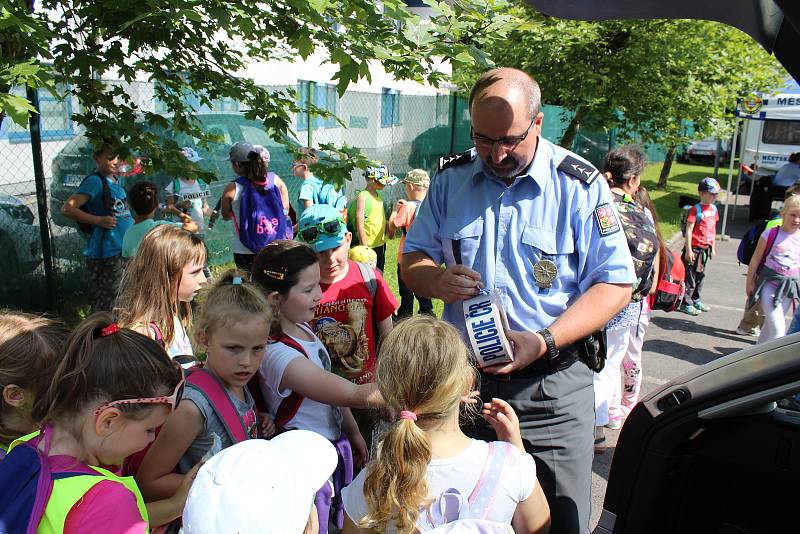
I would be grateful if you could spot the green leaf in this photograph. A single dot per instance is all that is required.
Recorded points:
(17, 108)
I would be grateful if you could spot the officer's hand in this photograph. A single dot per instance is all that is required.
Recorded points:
(457, 283)
(527, 347)
(108, 222)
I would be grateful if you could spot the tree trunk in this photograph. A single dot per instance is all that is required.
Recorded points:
(662, 179)
(574, 126)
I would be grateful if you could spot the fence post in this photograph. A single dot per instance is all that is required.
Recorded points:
(308, 113)
(41, 197)
(453, 114)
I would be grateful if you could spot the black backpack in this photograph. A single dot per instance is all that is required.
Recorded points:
(749, 241)
(642, 243)
(89, 228)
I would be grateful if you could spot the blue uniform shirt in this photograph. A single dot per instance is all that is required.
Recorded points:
(502, 232)
(105, 243)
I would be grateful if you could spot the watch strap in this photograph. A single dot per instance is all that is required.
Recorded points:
(552, 351)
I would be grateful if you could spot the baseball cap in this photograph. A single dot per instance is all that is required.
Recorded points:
(418, 177)
(380, 173)
(322, 227)
(191, 154)
(709, 184)
(260, 486)
(240, 151)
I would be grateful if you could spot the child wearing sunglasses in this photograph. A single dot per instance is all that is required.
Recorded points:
(109, 393)
(295, 377)
(233, 328)
(30, 348)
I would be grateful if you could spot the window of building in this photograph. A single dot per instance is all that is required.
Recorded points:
(55, 120)
(390, 107)
(302, 103)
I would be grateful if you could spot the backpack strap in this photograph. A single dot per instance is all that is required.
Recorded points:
(291, 404)
(698, 208)
(771, 236)
(482, 496)
(44, 483)
(157, 332)
(368, 274)
(215, 393)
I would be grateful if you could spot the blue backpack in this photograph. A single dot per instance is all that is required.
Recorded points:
(26, 483)
(327, 194)
(261, 217)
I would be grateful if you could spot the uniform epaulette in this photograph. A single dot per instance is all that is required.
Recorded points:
(581, 170)
(446, 162)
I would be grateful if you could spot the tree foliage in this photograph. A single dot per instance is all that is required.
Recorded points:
(197, 48)
(648, 78)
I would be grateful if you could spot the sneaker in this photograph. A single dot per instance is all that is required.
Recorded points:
(599, 440)
(747, 332)
(702, 307)
(690, 310)
(614, 424)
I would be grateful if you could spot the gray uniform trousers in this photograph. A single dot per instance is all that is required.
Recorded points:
(556, 417)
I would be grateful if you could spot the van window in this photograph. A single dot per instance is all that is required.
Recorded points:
(781, 132)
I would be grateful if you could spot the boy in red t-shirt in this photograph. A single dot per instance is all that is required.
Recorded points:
(700, 245)
(357, 305)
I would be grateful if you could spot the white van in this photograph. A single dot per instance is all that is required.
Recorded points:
(769, 142)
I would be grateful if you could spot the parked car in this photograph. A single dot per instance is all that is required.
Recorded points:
(704, 151)
(75, 161)
(19, 238)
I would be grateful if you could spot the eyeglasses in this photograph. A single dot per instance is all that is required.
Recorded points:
(328, 227)
(507, 143)
(172, 400)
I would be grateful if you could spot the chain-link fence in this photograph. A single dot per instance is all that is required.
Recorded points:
(404, 131)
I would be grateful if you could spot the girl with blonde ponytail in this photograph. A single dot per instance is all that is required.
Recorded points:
(424, 371)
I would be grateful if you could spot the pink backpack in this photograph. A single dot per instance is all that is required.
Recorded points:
(453, 513)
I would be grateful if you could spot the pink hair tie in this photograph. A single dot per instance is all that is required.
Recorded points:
(408, 414)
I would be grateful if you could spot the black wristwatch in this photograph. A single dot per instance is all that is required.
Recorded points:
(552, 350)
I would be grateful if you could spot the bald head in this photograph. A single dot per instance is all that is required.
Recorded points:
(512, 85)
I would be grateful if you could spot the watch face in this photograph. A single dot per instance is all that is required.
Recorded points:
(544, 272)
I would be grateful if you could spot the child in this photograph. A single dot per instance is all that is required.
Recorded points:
(109, 393)
(368, 218)
(773, 275)
(101, 202)
(356, 306)
(143, 199)
(188, 196)
(700, 245)
(159, 285)
(257, 201)
(416, 184)
(623, 168)
(30, 348)
(425, 453)
(233, 328)
(295, 377)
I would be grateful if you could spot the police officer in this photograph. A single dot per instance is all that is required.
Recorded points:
(535, 224)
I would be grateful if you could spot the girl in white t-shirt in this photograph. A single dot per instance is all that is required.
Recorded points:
(158, 287)
(424, 373)
(300, 391)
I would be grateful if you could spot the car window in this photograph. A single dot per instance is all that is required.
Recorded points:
(257, 136)
(220, 130)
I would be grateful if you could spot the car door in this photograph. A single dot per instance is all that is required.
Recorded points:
(715, 451)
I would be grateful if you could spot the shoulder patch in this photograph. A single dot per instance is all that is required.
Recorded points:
(606, 218)
(585, 172)
(452, 160)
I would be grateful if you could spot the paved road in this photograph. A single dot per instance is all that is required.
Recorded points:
(676, 343)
